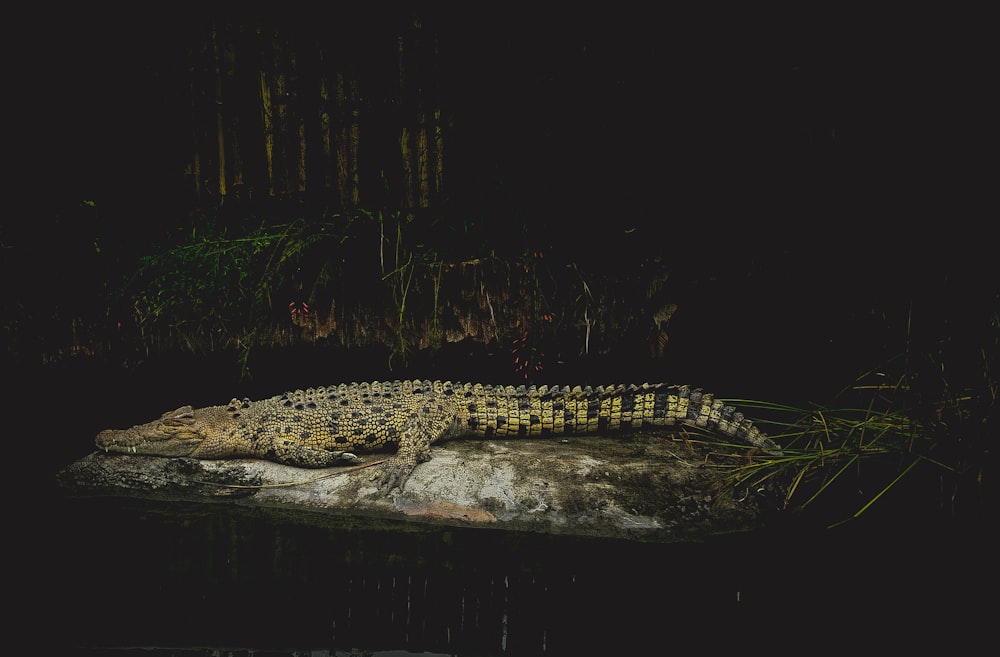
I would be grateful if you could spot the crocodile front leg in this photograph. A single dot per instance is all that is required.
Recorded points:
(304, 456)
(426, 425)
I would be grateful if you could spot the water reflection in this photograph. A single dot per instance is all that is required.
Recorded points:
(180, 575)
(215, 579)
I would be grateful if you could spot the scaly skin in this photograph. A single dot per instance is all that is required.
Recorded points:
(321, 427)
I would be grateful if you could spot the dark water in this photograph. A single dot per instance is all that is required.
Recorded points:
(113, 576)
(121, 574)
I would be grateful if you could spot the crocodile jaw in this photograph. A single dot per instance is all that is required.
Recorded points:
(148, 439)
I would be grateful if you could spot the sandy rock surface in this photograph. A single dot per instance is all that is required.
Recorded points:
(648, 486)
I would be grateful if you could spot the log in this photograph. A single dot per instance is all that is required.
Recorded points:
(650, 486)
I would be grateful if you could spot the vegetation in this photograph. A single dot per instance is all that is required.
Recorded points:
(928, 413)
(484, 170)
(368, 278)
(928, 416)
(903, 424)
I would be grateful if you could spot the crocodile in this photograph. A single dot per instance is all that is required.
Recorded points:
(326, 426)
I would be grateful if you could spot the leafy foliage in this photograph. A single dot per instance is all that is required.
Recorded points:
(208, 282)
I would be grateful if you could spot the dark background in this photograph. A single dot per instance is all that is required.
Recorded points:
(815, 180)
(810, 131)
(818, 181)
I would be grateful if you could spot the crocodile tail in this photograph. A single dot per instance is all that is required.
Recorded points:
(543, 410)
(705, 411)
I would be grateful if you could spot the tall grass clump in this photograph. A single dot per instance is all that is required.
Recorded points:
(927, 418)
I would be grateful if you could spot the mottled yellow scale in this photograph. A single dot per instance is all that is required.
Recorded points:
(677, 405)
(646, 402)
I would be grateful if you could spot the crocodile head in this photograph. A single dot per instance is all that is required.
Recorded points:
(177, 433)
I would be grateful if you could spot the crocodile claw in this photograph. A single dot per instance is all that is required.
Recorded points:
(394, 472)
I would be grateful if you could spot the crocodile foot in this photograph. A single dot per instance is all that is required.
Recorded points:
(394, 472)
